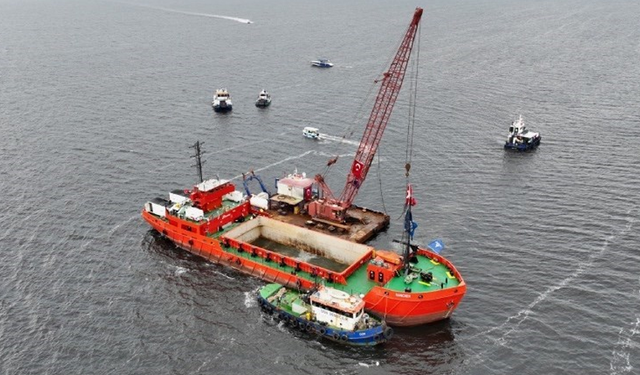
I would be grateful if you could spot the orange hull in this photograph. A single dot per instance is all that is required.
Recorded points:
(211, 250)
(397, 308)
(411, 309)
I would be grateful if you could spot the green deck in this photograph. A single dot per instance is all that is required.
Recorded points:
(442, 278)
(288, 299)
(358, 282)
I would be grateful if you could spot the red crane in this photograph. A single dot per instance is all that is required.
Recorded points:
(330, 208)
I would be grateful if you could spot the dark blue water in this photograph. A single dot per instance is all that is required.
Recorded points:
(100, 100)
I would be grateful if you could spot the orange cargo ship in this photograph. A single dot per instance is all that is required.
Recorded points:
(216, 222)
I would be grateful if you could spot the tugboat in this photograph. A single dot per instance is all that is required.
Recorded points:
(325, 311)
(222, 101)
(520, 138)
(312, 133)
(322, 63)
(264, 99)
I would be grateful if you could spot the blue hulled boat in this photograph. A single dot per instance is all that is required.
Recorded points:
(520, 138)
(322, 63)
(326, 312)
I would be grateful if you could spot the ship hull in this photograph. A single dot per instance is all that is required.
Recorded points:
(412, 309)
(396, 308)
(523, 146)
(211, 250)
(218, 108)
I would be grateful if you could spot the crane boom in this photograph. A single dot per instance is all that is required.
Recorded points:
(334, 209)
(380, 114)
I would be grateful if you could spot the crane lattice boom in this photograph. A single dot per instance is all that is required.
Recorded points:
(334, 209)
(386, 98)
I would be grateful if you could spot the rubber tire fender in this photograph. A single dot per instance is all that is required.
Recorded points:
(388, 332)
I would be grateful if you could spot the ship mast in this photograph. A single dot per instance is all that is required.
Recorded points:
(199, 161)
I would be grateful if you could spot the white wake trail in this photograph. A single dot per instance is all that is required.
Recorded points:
(278, 163)
(512, 323)
(327, 137)
(197, 14)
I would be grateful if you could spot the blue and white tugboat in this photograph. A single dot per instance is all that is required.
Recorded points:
(520, 138)
(326, 312)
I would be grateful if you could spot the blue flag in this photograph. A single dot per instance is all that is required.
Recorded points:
(436, 246)
(410, 225)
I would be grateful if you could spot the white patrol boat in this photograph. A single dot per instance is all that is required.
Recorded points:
(222, 101)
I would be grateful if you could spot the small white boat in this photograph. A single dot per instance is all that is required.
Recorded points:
(222, 101)
(520, 138)
(312, 133)
(264, 99)
(322, 63)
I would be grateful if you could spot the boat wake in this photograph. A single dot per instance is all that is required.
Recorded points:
(197, 14)
(620, 363)
(179, 271)
(278, 163)
(250, 299)
(512, 324)
(244, 145)
(326, 137)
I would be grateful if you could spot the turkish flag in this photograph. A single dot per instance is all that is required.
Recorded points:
(410, 200)
(356, 169)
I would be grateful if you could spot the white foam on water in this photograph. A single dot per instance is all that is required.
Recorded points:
(620, 363)
(512, 324)
(118, 226)
(279, 162)
(197, 14)
(333, 138)
(367, 365)
(243, 145)
(620, 355)
(249, 299)
(180, 270)
(222, 274)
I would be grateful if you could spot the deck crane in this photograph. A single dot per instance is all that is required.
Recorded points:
(328, 207)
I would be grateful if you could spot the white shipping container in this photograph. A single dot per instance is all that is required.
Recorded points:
(194, 213)
(155, 209)
(234, 196)
(261, 201)
(175, 198)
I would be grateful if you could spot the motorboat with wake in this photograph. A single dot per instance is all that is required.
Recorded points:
(311, 132)
(322, 63)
